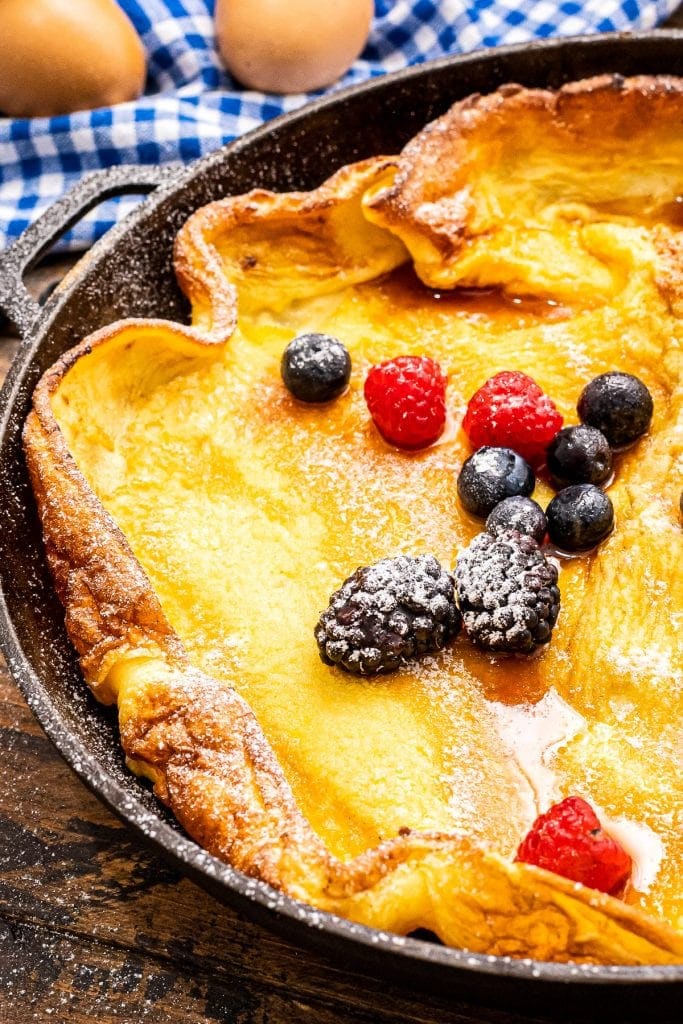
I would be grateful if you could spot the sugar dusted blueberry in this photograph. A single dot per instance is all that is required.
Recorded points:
(315, 367)
(518, 513)
(579, 455)
(579, 517)
(619, 405)
(489, 476)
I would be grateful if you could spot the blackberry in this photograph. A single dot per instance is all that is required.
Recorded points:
(507, 591)
(387, 612)
(315, 367)
(491, 475)
(579, 517)
(518, 513)
(579, 455)
(619, 405)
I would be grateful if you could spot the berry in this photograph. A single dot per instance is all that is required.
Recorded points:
(511, 411)
(407, 400)
(579, 455)
(619, 405)
(315, 367)
(517, 513)
(491, 475)
(507, 591)
(569, 840)
(387, 612)
(579, 517)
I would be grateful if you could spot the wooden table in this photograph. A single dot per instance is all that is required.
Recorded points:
(93, 927)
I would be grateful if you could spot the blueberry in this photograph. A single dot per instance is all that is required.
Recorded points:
(315, 367)
(579, 455)
(518, 513)
(491, 475)
(619, 405)
(579, 517)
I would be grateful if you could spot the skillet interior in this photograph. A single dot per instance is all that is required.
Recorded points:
(129, 273)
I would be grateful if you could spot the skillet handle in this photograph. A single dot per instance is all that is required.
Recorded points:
(15, 301)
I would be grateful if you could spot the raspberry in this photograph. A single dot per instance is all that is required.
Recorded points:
(569, 840)
(407, 400)
(511, 411)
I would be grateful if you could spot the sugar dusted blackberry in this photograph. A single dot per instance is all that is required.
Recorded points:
(385, 613)
(507, 591)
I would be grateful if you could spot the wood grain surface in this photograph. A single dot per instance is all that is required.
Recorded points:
(95, 927)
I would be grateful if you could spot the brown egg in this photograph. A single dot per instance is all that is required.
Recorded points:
(291, 45)
(57, 56)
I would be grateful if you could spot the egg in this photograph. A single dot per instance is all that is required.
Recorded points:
(58, 56)
(286, 46)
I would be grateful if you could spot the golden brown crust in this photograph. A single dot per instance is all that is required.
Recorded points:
(502, 169)
(283, 245)
(198, 741)
(224, 785)
(670, 267)
(110, 607)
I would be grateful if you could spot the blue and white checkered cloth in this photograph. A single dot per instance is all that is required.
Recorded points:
(192, 106)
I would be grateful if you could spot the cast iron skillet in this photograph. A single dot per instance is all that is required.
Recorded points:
(129, 273)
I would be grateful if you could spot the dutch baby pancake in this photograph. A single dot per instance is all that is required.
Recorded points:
(198, 515)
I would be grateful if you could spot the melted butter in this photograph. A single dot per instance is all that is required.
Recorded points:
(644, 847)
(532, 735)
(402, 288)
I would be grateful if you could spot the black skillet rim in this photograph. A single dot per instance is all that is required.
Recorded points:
(223, 881)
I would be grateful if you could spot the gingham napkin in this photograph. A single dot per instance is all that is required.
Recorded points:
(191, 105)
